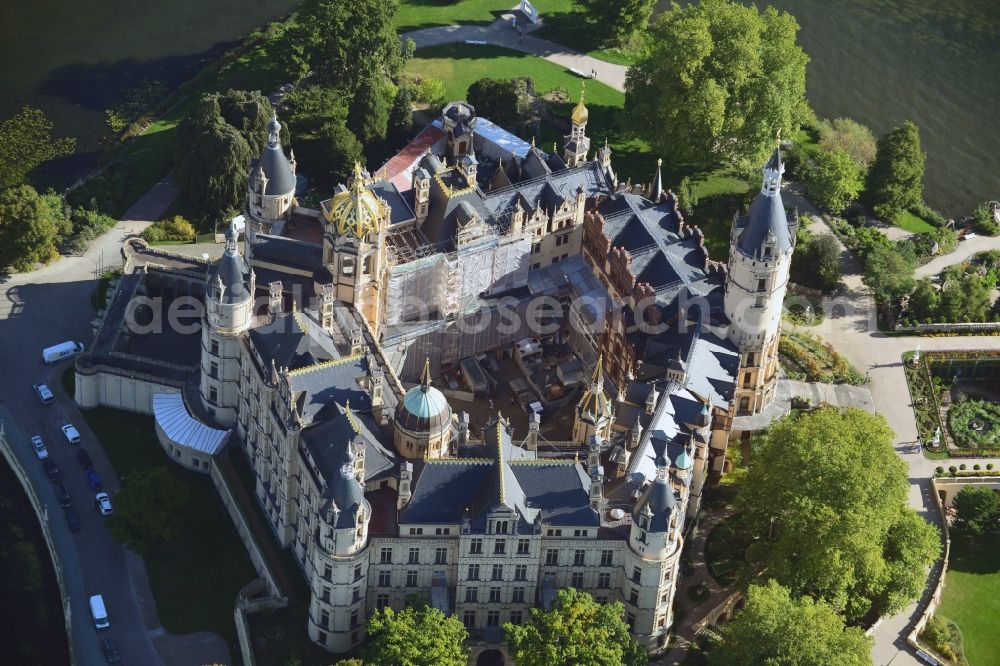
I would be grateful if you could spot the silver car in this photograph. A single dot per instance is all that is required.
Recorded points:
(39, 446)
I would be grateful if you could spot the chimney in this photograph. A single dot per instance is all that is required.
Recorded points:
(274, 299)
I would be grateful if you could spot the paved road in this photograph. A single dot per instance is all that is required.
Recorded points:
(37, 310)
(500, 33)
(850, 326)
(965, 249)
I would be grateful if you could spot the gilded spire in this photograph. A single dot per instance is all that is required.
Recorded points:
(580, 113)
(598, 379)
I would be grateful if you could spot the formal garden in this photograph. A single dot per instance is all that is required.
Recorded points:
(954, 397)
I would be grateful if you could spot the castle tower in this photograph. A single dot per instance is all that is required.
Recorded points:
(422, 425)
(577, 143)
(593, 413)
(354, 247)
(229, 294)
(271, 191)
(760, 255)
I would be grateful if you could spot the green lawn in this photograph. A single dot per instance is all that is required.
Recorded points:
(971, 595)
(913, 224)
(196, 578)
(146, 155)
(416, 14)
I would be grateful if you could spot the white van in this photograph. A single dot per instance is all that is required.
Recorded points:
(58, 352)
(99, 612)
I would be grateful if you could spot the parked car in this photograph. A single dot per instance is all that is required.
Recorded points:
(83, 458)
(72, 434)
(72, 519)
(44, 394)
(94, 480)
(39, 446)
(110, 649)
(102, 502)
(55, 476)
(62, 494)
(99, 612)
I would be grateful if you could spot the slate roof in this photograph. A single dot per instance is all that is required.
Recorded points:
(317, 387)
(288, 343)
(328, 443)
(766, 216)
(287, 251)
(277, 168)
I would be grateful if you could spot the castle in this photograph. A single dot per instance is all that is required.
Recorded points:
(380, 491)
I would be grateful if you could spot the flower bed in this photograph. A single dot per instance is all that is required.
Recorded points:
(807, 357)
(923, 397)
(975, 424)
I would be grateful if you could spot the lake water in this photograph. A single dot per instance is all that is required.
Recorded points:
(878, 61)
(934, 62)
(73, 59)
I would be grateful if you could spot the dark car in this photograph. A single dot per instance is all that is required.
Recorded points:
(94, 480)
(65, 499)
(83, 458)
(52, 470)
(72, 519)
(110, 649)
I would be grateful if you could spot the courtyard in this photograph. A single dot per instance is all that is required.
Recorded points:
(971, 596)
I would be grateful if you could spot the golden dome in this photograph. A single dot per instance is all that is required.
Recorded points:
(580, 113)
(357, 211)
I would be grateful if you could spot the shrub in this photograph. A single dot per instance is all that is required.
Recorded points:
(976, 467)
(174, 229)
(953, 470)
(429, 91)
(962, 466)
(982, 218)
(939, 471)
(989, 465)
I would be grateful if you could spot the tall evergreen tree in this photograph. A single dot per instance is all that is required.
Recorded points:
(621, 20)
(401, 113)
(249, 112)
(896, 181)
(369, 114)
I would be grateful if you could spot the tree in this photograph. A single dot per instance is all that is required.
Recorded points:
(31, 226)
(850, 136)
(895, 183)
(577, 631)
(347, 44)
(924, 302)
(977, 510)
(368, 117)
(985, 223)
(401, 113)
(622, 20)
(149, 509)
(25, 142)
(249, 112)
(211, 158)
(834, 180)
(966, 299)
(775, 628)
(816, 262)
(342, 151)
(718, 82)
(888, 274)
(495, 99)
(419, 635)
(830, 489)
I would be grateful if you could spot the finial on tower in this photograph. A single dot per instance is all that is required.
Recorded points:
(425, 376)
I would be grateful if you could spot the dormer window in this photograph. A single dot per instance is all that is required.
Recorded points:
(347, 265)
(767, 252)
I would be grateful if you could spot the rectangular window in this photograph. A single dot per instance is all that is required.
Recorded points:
(354, 619)
(630, 621)
(521, 572)
(416, 530)
(357, 572)
(355, 595)
(385, 578)
(476, 547)
(473, 572)
(494, 595)
(536, 248)
(493, 618)
(385, 556)
(322, 637)
(414, 557)
(213, 397)
(469, 619)
(580, 533)
(411, 579)
(636, 575)
(551, 557)
(381, 601)
(441, 556)
(603, 580)
(497, 572)
(746, 379)
(213, 370)
(523, 546)
(578, 558)
(576, 580)
(471, 594)
(215, 347)
(761, 284)
(442, 531)
(607, 558)
(327, 571)
(516, 617)
(517, 595)
(324, 619)
(751, 357)
(499, 547)
(633, 596)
